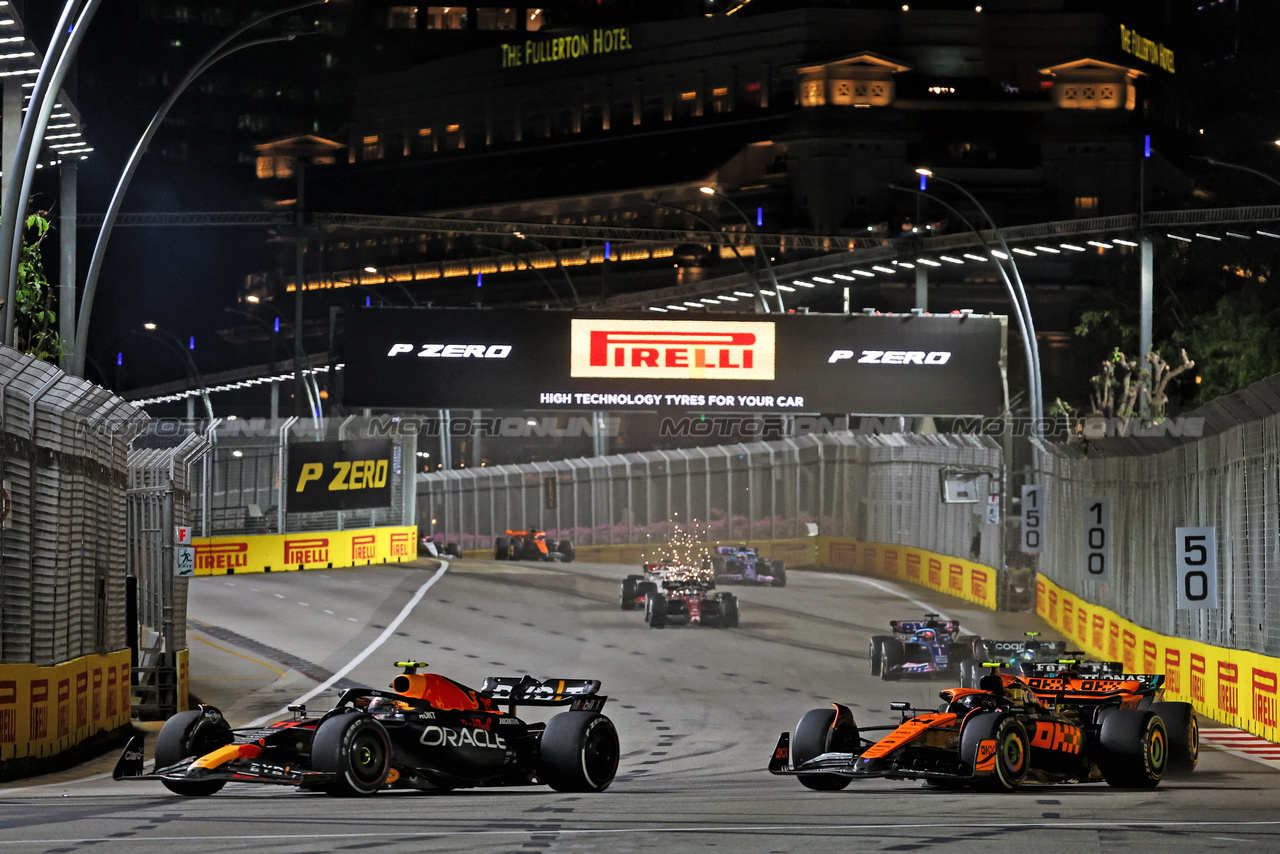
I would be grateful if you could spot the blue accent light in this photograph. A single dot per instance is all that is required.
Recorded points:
(479, 280)
(120, 358)
(277, 324)
(1146, 146)
(759, 217)
(924, 182)
(191, 344)
(606, 250)
(367, 301)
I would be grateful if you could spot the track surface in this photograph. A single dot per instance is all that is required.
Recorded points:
(698, 711)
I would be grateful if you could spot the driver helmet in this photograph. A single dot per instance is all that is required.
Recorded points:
(383, 706)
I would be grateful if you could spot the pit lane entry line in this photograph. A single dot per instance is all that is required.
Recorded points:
(366, 652)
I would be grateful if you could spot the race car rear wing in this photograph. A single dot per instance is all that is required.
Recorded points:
(1094, 669)
(908, 626)
(580, 694)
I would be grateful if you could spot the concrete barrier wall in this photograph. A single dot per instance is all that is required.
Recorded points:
(311, 550)
(45, 710)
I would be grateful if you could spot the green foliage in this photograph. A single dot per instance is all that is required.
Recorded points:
(35, 320)
(1236, 341)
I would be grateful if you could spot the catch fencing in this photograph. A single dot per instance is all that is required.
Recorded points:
(1227, 479)
(241, 486)
(63, 559)
(882, 488)
(159, 502)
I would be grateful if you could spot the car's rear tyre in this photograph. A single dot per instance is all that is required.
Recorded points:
(578, 752)
(779, 574)
(501, 549)
(630, 592)
(655, 610)
(187, 734)
(728, 611)
(813, 738)
(1134, 749)
(355, 747)
(567, 552)
(873, 653)
(453, 550)
(891, 658)
(1183, 727)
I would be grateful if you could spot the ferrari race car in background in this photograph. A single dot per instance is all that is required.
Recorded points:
(1053, 729)
(919, 647)
(428, 547)
(636, 587)
(429, 732)
(743, 565)
(682, 596)
(532, 545)
(1010, 654)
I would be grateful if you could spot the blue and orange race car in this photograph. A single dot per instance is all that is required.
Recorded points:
(920, 647)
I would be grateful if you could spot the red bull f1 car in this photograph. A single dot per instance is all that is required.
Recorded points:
(920, 648)
(1061, 727)
(532, 545)
(743, 565)
(428, 732)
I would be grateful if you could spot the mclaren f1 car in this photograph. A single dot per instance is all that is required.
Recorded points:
(532, 545)
(1059, 728)
(428, 732)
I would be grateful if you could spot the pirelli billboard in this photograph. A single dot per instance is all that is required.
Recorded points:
(946, 365)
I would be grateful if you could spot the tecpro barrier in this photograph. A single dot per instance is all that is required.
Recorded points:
(45, 710)
(311, 550)
(1230, 685)
(964, 579)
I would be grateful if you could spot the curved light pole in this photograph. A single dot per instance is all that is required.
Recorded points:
(62, 49)
(555, 256)
(191, 363)
(1213, 161)
(755, 280)
(1021, 303)
(387, 280)
(523, 259)
(214, 55)
(1023, 329)
(760, 248)
(313, 388)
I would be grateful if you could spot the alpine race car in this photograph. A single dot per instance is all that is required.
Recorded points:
(1011, 654)
(743, 565)
(1002, 735)
(920, 647)
(429, 732)
(532, 545)
(684, 598)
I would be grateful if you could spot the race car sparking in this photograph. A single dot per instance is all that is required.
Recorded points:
(920, 647)
(636, 587)
(429, 732)
(684, 597)
(1011, 653)
(744, 565)
(1052, 729)
(532, 545)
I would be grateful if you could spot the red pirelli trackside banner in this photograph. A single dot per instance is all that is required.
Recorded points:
(312, 550)
(1234, 686)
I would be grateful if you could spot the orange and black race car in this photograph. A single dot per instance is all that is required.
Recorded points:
(1060, 728)
(428, 732)
(532, 545)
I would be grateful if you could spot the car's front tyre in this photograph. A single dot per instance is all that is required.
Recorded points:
(186, 734)
(357, 749)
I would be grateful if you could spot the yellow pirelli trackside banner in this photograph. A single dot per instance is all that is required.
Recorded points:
(1230, 685)
(313, 550)
(46, 710)
(964, 579)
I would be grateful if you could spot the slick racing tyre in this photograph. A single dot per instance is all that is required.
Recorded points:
(1134, 749)
(355, 747)
(187, 734)
(1012, 749)
(655, 610)
(814, 736)
(874, 652)
(566, 550)
(1183, 727)
(501, 549)
(578, 752)
(728, 611)
(891, 659)
(779, 574)
(453, 550)
(630, 593)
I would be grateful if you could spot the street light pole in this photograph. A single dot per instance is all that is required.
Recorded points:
(191, 363)
(760, 247)
(761, 301)
(1021, 304)
(313, 389)
(214, 55)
